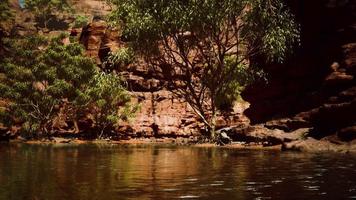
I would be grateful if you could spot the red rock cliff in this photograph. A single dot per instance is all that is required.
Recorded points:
(316, 87)
(161, 112)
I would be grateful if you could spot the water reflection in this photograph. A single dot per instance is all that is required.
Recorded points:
(170, 172)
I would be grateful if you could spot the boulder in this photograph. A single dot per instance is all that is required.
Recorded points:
(60, 140)
(347, 134)
(259, 134)
(314, 145)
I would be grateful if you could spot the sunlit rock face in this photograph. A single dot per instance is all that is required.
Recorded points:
(94, 8)
(315, 87)
(161, 113)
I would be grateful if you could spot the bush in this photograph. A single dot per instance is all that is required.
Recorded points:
(109, 102)
(40, 75)
(118, 59)
(80, 21)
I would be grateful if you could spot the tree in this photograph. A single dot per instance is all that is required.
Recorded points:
(5, 12)
(45, 9)
(5, 16)
(38, 77)
(108, 101)
(116, 60)
(203, 47)
(80, 21)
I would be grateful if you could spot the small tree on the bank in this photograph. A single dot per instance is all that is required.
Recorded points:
(203, 47)
(38, 76)
(108, 101)
(44, 10)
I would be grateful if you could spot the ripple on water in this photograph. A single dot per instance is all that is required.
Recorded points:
(266, 186)
(277, 181)
(191, 179)
(311, 181)
(188, 197)
(260, 198)
(219, 181)
(321, 169)
(312, 188)
(250, 188)
(251, 183)
(216, 184)
(170, 189)
(203, 185)
(228, 189)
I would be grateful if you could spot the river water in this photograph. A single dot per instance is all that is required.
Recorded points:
(141, 172)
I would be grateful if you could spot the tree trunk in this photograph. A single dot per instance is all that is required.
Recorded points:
(44, 130)
(213, 119)
(101, 132)
(76, 127)
(45, 23)
(212, 126)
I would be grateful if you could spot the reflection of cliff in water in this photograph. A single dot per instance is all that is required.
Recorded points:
(170, 172)
(110, 172)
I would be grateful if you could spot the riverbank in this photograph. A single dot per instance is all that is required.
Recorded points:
(303, 145)
(179, 141)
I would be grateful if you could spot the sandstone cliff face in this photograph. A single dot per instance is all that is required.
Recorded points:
(161, 113)
(316, 87)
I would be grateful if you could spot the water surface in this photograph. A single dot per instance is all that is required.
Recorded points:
(111, 172)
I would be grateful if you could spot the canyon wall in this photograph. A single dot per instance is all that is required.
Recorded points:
(316, 87)
(161, 113)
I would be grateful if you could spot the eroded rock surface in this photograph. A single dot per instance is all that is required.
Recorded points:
(316, 88)
(161, 113)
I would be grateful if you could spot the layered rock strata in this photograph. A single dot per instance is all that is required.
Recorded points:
(161, 113)
(316, 87)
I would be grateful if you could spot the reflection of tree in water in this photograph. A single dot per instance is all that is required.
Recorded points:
(145, 171)
(89, 172)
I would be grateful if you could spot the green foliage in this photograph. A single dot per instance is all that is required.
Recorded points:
(109, 101)
(5, 12)
(40, 75)
(80, 21)
(272, 26)
(45, 9)
(50, 6)
(230, 92)
(267, 25)
(206, 43)
(118, 59)
(6, 16)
